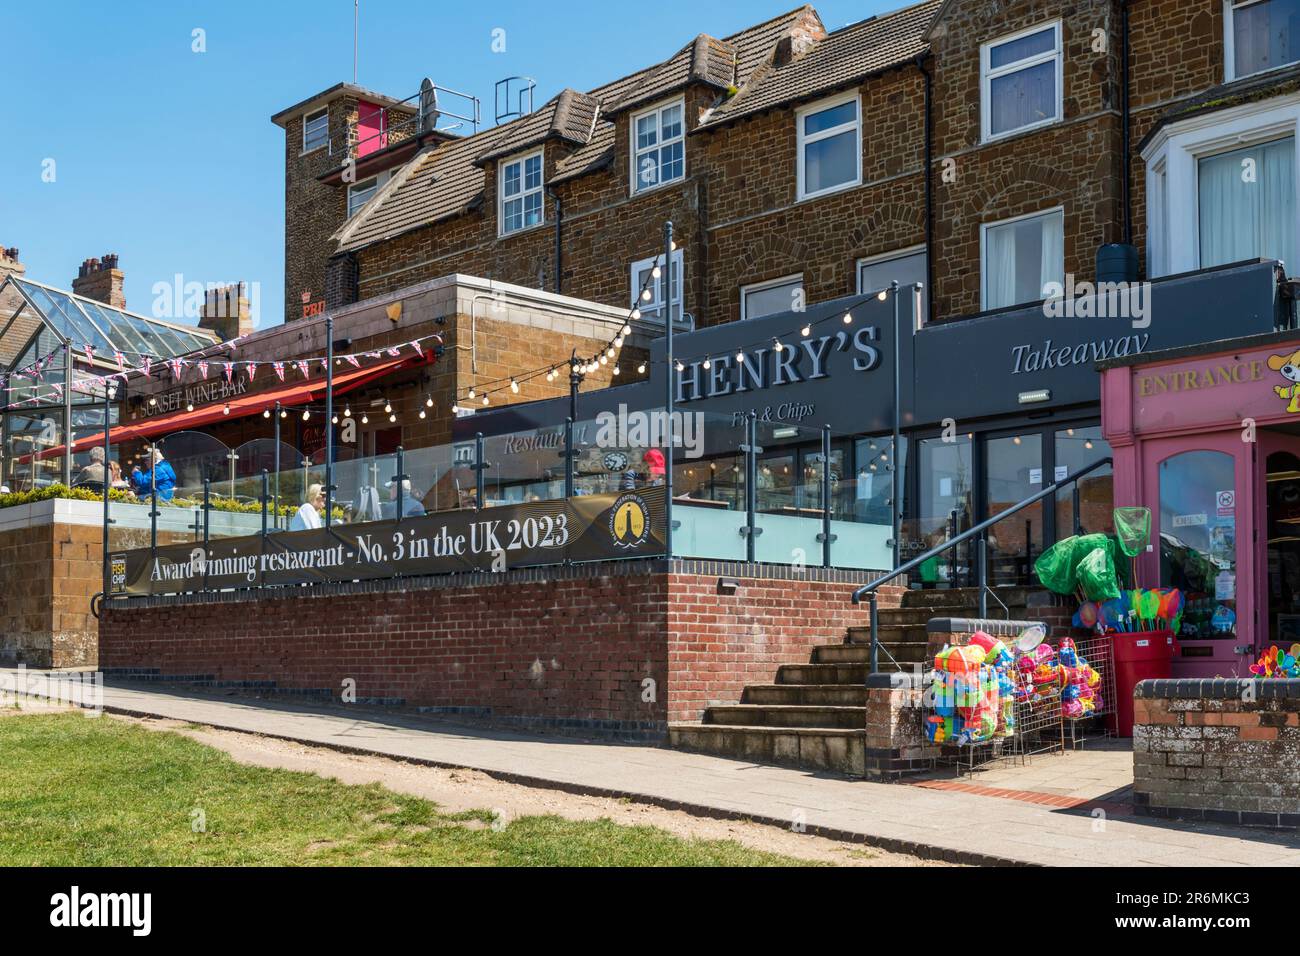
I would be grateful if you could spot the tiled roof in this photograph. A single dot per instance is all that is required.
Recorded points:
(842, 58)
(446, 179)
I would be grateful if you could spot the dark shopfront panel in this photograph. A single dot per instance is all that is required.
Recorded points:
(994, 407)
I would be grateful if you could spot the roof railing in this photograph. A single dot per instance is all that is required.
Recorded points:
(423, 112)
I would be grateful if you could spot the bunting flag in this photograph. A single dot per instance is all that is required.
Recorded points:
(418, 350)
(324, 365)
(148, 364)
(394, 352)
(230, 372)
(58, 390)
(353, 360)
(372, 355)
(279, 369)
(121, 360)
(177, 366)
(90, 353)
(252, 370)
(305, 368)
(203, 367)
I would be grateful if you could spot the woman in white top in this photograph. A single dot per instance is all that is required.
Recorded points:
(308, 516)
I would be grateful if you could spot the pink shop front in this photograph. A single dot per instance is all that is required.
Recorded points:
(1208, 438)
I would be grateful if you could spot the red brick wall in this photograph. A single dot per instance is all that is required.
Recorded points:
(562, 648)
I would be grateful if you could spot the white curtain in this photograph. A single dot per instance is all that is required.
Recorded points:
(1000, 279)
(1052, 260)
(1247, 205)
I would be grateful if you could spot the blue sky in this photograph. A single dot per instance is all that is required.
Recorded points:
(168, 157)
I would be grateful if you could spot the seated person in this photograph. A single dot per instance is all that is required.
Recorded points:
(92, 474)
(411, 506)
(161, 476)
(307, 517)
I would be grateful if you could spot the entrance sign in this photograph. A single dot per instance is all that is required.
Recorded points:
(530, 534)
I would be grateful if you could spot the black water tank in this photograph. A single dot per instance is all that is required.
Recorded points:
(1117, 262)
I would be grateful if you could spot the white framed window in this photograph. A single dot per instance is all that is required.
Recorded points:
(905, 265)
(1259, 35)
(315, 129)
(1021, 81)
(359, 193)
(830, 146)
(1222, 188)
(658, 146)
(519, 192)
(1020, 256)
(772, 298)
(643, 281)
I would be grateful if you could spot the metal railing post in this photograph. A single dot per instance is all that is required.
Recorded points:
(751, 486)
(982, 553)
(399, 482)
(480, 486)
(277, 466)
(826, 535)
(266, 494)
(1078, 523)
(568, 458)
(108, 483)
(153, 510)
(207, 526)
(875, 632)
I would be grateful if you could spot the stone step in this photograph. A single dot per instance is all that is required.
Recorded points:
(786, 715)
(818, 749)
(909, 651)
(924, 615)
(889, 633)
(1012, 596)
(815, 674)
(823, 695)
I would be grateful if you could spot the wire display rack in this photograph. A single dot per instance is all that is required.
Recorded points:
(1099, 651)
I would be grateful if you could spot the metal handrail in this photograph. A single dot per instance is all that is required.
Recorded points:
(869, 590)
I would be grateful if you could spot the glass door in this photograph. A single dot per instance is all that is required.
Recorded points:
(1013, 471)
(945, 500)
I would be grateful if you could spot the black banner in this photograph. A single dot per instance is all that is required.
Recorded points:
(592, 528)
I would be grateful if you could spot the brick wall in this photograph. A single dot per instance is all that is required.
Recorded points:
(609, 648)
(1227, 751)
(48, 573)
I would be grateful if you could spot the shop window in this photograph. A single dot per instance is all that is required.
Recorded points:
(1260, 35)
(643, 281)
(772, 298)
(871, 488)
(1247, 204)
(658, 147)
(315, 130)
(1076, 449)
(830, 146)
(520, 194)
(1020, 81)
(1198, 540)
(1021, 257)
(904, 267)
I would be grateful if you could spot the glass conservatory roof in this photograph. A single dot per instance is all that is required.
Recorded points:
(80, 322)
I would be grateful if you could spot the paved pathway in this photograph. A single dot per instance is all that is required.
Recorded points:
(952, 823)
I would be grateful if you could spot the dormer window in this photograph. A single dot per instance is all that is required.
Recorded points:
(658, 147)
(315, 129)
(519, 203)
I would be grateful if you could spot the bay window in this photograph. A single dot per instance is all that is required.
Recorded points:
(1247, 204)
(1021, 256)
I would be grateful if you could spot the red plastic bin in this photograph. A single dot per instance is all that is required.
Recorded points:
(1144, 655)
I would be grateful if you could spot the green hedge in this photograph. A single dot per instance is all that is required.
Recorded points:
(16, 498)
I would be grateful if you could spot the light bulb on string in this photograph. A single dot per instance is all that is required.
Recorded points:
(226, 410)
(641, 368)
(636, 314)
(283, 413)
(708, 364)
(485, 399)
(616, 369)
(806, 331)
(848, 318)
(514, 386)
(627, 330)
(740, 356)
(334, 420)
(884, 294)
(471, 393)
(423, 414)
(656, 272)
(189, 406)
(681, 367)
(365, 419)
(306, 414)
(777, 346)
(266, 413)
(347, 411)
(609, 353)
(428, 402)
(646, 295)
(392, 418)
(388, 407)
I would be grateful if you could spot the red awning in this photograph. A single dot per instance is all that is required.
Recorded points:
(302, 393)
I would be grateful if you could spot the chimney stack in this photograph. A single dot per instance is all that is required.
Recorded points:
(10, 299)
(802, 36)
(226, 312)
(101, 280)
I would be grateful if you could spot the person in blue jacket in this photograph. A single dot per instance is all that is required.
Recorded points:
(142, 483)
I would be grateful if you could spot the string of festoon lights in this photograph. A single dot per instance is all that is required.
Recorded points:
(481, 393)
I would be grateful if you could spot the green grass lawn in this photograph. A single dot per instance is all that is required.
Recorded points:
(98, 792)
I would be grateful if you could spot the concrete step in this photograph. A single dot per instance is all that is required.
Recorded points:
(911, 652)
(814, 674)
(817, 749)
(924, 615)
(820, 695)
(786, 715)
(1013, 596)
(889, 633)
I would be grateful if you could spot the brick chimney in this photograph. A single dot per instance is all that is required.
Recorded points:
(802, 36)
(101, 280)
(226, 312)
(10, 299)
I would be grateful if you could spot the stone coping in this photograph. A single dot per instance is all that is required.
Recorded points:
(1218, 688)
(896, 680)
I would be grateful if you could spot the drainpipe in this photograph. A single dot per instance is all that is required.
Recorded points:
(929, 190)
(559, 237)
(1126, 185)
